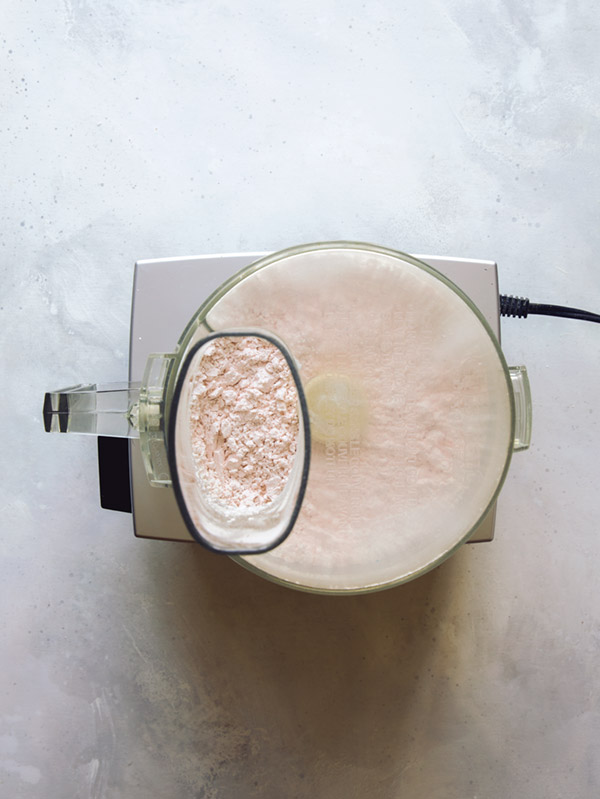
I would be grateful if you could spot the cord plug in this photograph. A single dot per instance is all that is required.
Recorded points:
(514, 306)
(521, 307)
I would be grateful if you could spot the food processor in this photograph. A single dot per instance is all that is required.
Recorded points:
(408, 414)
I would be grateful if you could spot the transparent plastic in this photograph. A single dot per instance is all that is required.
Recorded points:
(152, 420)
(218, 526)
(99, 410)
(522, 400)
(119, 410)
(293, 293)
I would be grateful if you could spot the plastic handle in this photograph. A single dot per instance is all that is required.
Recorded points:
(100, 410)
(119, 410)
(522, 396)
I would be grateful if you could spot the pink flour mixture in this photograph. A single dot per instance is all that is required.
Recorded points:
(422, 470)
(244, 421)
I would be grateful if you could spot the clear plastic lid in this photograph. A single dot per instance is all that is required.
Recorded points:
(410, 407)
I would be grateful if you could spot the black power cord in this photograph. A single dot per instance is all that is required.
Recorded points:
(521, 307)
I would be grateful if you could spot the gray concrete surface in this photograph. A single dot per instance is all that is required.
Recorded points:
(135, 669)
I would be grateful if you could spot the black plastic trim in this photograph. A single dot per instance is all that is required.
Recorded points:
(47, 413)
(113, 473)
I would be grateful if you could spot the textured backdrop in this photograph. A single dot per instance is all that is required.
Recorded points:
(134, 669)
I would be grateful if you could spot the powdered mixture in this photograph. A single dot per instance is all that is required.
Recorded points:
(244, 421)
(420, 470)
